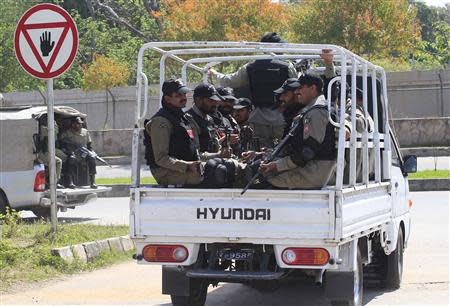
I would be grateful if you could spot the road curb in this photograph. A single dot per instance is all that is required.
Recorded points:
(88, 251)
(123, 190)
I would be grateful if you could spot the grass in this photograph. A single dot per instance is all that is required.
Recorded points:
(123, 180)
(25, 249)
(428, 174)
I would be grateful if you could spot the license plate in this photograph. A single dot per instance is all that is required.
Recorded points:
(230, 254)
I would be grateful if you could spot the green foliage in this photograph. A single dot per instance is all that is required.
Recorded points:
(428, 15)
(124, 180)
(10, 222)
(430, 174)
(382, 29)
(436, 53)
(371, 28)
(25, 256)
(104, 73)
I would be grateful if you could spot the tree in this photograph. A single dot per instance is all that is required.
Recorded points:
(436, 53)
(372, 28)
(221, 20)
(103, 74)
(429, 15)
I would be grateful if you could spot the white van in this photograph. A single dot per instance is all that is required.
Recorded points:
(23, 184)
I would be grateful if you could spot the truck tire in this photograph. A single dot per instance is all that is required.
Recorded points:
(3, 203)
(394, 265)
(42, 213)
(357, 286)
(197, 294)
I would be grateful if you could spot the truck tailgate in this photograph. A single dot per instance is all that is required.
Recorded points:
(225, 214)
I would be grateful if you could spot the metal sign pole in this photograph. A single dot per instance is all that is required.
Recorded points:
(51, 150)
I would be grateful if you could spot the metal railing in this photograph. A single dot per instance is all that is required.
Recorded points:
(212, 53)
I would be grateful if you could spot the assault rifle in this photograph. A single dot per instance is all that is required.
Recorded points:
(273, 154)
(84, 152)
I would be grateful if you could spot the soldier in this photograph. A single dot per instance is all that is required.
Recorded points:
(224, 120)
(262, 77)
(242, 110)
(170, 144)
(72, 139)
(44, 155)
(289, 105)
(206, 101)
(311, 151)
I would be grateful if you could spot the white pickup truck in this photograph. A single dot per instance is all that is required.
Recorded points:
(23, 178)
(353, 230)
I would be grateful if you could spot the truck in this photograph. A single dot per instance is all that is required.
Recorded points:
(23, 177)
(350, 232)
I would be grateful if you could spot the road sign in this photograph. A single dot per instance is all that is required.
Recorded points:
(46, 41)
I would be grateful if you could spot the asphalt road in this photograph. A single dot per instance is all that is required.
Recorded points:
(425, 279)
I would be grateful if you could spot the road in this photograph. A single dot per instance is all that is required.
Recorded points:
(425, 279)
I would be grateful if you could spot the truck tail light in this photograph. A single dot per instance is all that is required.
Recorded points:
(39, 181)
(165, 253)
(305, 256)
(410, 203)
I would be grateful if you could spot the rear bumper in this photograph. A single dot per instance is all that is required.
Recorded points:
(227, 276)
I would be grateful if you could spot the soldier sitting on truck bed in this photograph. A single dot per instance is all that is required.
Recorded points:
(311, 151)
(43, 152)
(171, 150)
(72, 140)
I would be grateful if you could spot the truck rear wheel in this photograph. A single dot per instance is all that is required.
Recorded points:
(394, 265)
(3, 203)
(198, 289)
(357, 287)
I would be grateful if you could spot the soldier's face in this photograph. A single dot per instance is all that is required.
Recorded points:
(76, 126)
(305, 94)
(176, 99)
(241, 115)
(226, 107)
(207, 105)
(288, 99)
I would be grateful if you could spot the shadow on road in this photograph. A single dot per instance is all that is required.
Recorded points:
(292, 293)
(61, 220)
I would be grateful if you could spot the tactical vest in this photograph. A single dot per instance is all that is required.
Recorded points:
(327, 149)
(264, 77)
(207, 133)
(181, 142)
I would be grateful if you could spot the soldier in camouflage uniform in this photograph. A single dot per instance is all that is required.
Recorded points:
(74, 138)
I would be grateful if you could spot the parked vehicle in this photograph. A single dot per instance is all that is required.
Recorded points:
(351, 232)
(23, 178)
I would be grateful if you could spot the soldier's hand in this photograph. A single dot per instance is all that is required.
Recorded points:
(268, 168)
(347, 134)
(225, 152)
(193, 167)
(248, 156)
(211, 72)
(234, 139)
(327, 56)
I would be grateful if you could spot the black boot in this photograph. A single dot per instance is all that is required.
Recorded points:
(70, 183)
(92, 179)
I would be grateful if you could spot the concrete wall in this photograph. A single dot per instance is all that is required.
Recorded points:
(414, 94)
(427, 132)
(434, 132)
(419, 94)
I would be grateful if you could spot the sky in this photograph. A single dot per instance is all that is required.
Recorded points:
(436, 2)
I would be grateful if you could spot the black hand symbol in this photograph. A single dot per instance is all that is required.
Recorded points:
(46, 46)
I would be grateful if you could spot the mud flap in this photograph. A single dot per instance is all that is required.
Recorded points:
(339, 285)
(174, 281)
